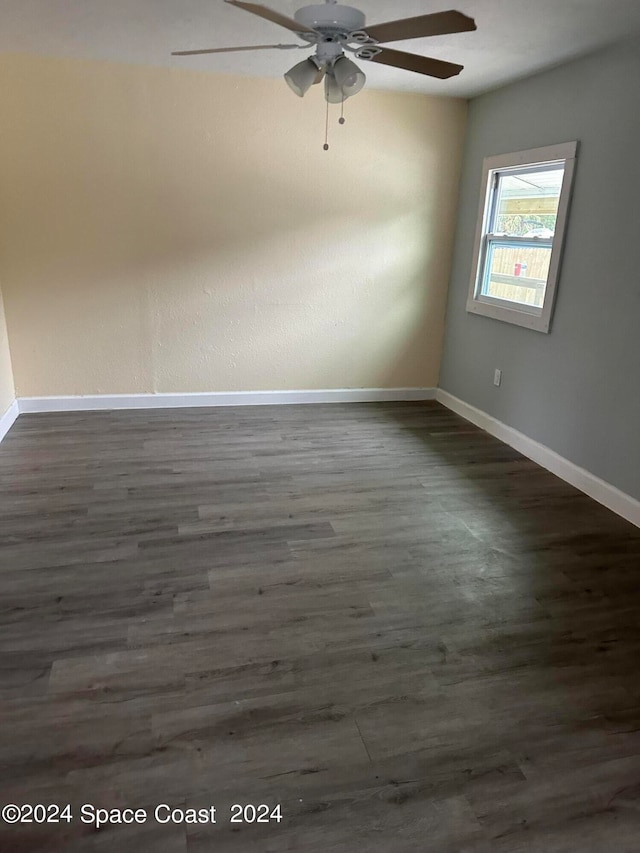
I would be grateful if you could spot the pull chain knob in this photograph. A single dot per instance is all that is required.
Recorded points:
(326, 131)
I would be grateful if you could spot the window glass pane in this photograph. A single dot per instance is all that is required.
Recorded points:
(517, 273)
(527, 202)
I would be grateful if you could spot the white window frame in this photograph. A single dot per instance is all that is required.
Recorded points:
(528, 316)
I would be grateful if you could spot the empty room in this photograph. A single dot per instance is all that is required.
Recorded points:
(319, 426)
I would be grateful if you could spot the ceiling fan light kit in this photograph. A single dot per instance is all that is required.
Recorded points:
(333, 29)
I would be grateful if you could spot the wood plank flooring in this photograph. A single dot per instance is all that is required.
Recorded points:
(377, 616)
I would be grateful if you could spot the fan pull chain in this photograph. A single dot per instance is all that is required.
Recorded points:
(342, 119)
(326, 131)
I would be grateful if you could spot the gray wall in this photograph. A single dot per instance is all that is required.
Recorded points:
(576, 390)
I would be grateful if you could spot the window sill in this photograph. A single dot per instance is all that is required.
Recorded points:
(534, 320)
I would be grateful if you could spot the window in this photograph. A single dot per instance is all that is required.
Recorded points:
(523, 216)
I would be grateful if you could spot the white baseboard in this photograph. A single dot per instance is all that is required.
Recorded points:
(232, 398)
(8, 419)
(602, 492)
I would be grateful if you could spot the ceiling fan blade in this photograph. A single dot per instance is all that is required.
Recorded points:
(233, 49)
(271, 15)
(441, 23)
(419, 64)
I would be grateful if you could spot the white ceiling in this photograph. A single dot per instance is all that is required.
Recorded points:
(514, 39)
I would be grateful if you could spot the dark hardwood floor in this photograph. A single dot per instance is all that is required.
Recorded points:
(377, 616)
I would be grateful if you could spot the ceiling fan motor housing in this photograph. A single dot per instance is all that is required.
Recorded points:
(331, 19)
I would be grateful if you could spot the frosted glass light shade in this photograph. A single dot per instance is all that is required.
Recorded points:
(332, 92)
(302, 77)
(348, 76)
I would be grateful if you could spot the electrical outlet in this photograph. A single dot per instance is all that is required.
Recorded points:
(497, 378)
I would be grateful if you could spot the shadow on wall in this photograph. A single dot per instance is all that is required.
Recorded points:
(200, 237)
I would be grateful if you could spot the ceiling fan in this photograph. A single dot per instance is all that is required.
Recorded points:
(333, 29)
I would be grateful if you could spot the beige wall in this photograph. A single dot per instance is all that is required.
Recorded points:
(7, 391)
(173, 231)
